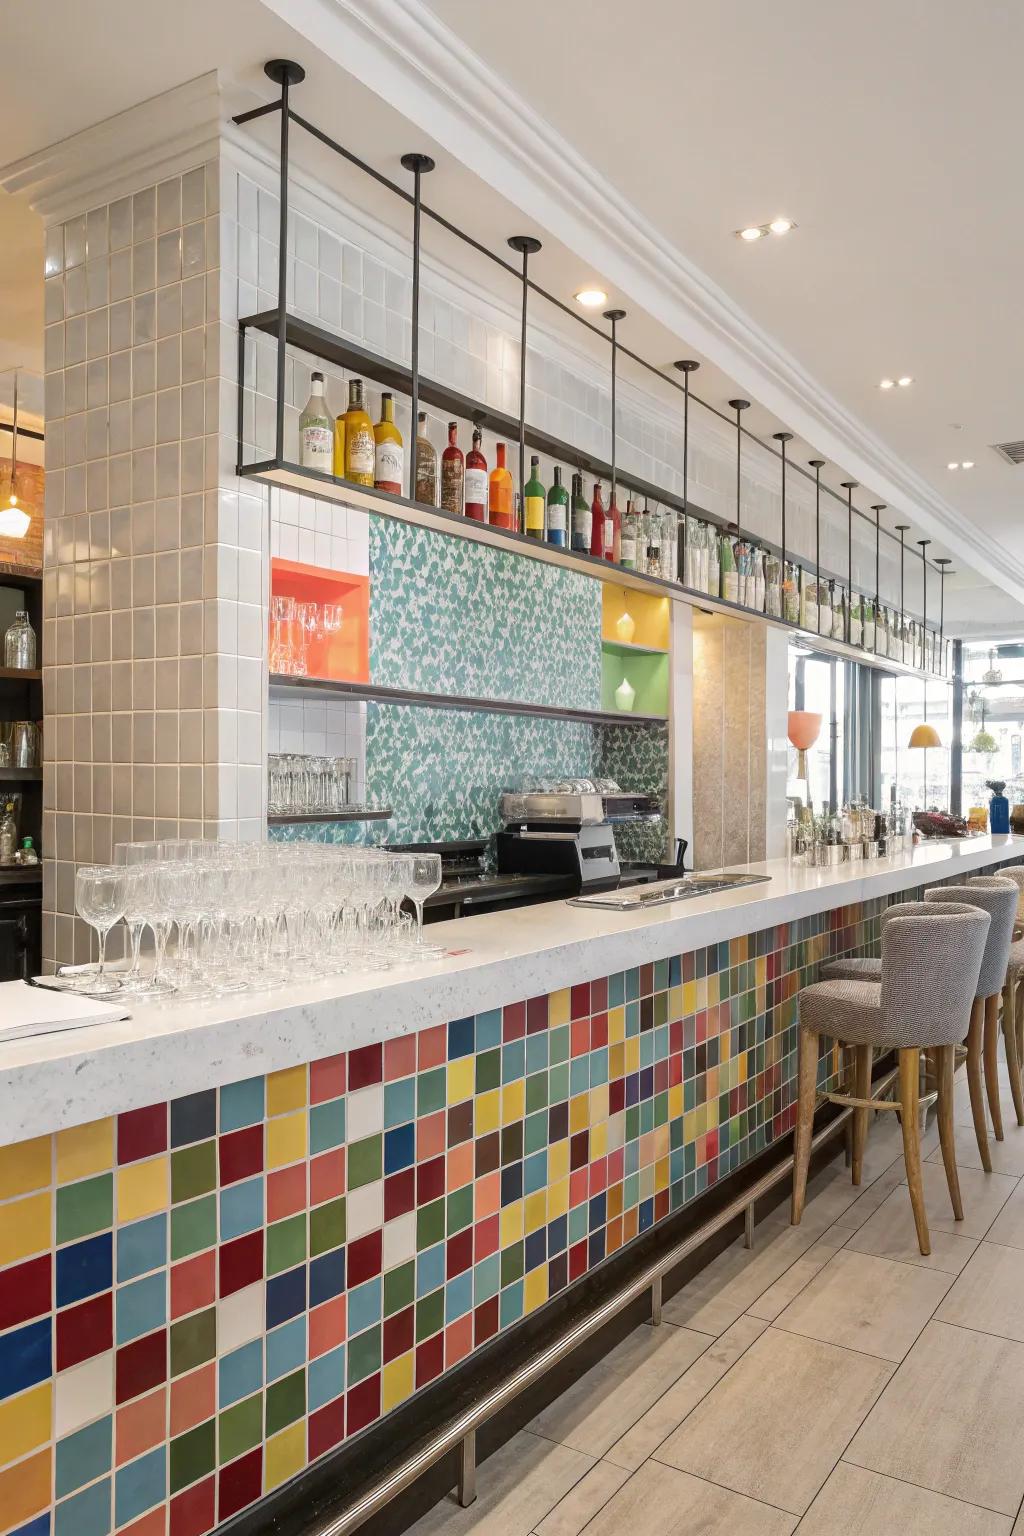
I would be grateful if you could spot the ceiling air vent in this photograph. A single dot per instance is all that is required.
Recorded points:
(1013, 453)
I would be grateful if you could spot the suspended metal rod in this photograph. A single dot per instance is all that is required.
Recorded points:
(942, 561)
(817, 465)
(419, 165)
(613, 316)
(783, 438)
(739, 406)
(849, 486)
(527, 246)
(285, 73)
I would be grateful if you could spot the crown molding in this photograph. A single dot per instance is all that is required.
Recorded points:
(402, 51)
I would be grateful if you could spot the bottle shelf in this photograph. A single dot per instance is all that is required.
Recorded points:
(21, 675)
(20, 775)
(306, 818)
(327, 688)
(23, 874)
(630, 648)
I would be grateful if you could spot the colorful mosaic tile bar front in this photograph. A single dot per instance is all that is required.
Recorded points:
(200, 1297)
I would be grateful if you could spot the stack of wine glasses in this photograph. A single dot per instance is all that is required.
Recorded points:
(232, 917)
(294, 626)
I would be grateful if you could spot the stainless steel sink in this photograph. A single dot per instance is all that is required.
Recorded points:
(660, 892)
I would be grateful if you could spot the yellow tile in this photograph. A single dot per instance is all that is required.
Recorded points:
(579, 1113)
(690, 1126)
(713, 990)
(84, 1150)
(661, 1141)
(675, 1002)
(689, 998)
(25, 1422)
(616, 1061)
(535, 1289)
(741, 1075)
(633, 1054)
(712, 1119)
(286, 1090)
(616, 1025)
(513, 1102)
(599, 1104)
(286, 1140)
(25, 1489)
(616, 1131)
(661, 1175)
(461, 1079)
(558, 1008)
(701, 986)
(141, 1189)
(397, 1381)
(761, 969)
(558, 1199)
(536, 1210)
(285, 1455)
(25, 1228)
(24, 1167)
(511, 1224)
(675, 1101)
(598, 1139)
(558, 1161)
(487, 1112)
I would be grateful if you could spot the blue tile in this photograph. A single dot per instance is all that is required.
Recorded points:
(598, 1211)
(194, 1117)
(364, 1306)
(84, 1456)
(241, 1373)
(241, 1104)
(536, 1053)
(241, 1209)
(86, 1514)
(142, 1246)
(40, 1526)
(25, 1357)
(486, 1278)
(513, 1061)
(326, 1378)
(488, 1029)
(84, 1269)
(558, 1234)
(326, 1276)
(429, 1270)
(399, 1102)
(535, 1249)
(399, 1148)
(141, 1307)
(535, 1172)
(286, 1349)
(460, 1038)
(140, 1485)
(458, 1296)
(510, 1307)
(286, 1296)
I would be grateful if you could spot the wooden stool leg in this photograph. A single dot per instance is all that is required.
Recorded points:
(944, 1082)
(807, 1083)
(1012, 1053)
(974, 1035)
(910, 1067)
(861, 1090)
(992, 1063)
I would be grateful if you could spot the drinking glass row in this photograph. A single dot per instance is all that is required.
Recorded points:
(298, 784)
(294, 625)
(229, 917)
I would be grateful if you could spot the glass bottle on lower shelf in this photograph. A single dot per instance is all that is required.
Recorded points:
(20, 643)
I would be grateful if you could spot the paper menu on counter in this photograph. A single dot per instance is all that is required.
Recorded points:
(27, 1011)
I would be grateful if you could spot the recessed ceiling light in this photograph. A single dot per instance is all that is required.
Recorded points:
(781, 226)
(967, 464)
(904, 381)
(954, 465)
(591, 298)
(887, 384)
(752, 232)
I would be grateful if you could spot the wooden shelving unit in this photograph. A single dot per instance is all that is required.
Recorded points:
(21, 698)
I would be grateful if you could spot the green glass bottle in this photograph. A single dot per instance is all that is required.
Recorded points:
(558, 511)
(534, 502)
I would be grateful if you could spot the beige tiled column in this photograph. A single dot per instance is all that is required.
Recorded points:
(155, 554)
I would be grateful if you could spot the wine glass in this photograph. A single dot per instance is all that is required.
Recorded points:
(100, 891)
(424, 880)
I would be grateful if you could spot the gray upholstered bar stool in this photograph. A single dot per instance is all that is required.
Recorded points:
(1013, 1017)
(998, 897)
(929, 977)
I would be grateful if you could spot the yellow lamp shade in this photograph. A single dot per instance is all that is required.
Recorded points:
(925, 736)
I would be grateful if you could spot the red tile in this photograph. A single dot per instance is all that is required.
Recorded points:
(85, 1330)
(286, 1192)
(458, 1340)
(599, 995)
(429, 1181)
(193, 1284)
(141, 1133)
(399, 1057)
(398, 1334)
(193, 1512)
(536, 1015)
(141, 1425)
(432, 1047)
(327, 1327)
(485, 1321)
(661, 1205)
(598, 1031)
(399, 1193)
(459, 1253)
(364, 1404)
(193, 1398)
(431, 1133)
(579, 1000)
(153, 1524)
(646, 980)
(25, 1291)
(241, 1262)
(616, 1095)
(326, 1079)
(616, 1166)
(326, 1176)
(365, 1066)
(579, 1037)
(485, 1238)
(241, 1154)
(598, 1175)
(365, 1258)
(429, 1360)
(577, 1260)
(240, 1483)
(513, 1022)
(141, 1365)
(326, 1427)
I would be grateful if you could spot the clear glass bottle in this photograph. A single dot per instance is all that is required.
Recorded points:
(8, 834)
(426, 465)
(630, 539)
(20, 643)
(316, 430)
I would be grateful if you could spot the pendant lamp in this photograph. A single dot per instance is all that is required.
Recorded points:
(14, 520)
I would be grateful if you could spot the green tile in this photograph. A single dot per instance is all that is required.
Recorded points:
(326, 1227)
(559, 1045)
(193, 1341)
(241, 1427)
(84, 1208)
(429, 1315)
(286, 1401)
(431, 1091)
(326, 1126)
(429, 1225)
(460, 1208)
(286, 1244)
(488, 1070)
(193, 1171)
(558, 1084)
(363, 1355)
(535, 1135)
(193, 1227)
(536, 1092)
(512, 1264)
(399, 1288)
(193, 1455)
(365, 1161)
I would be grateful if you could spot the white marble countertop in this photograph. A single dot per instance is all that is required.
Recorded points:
(49, 1082)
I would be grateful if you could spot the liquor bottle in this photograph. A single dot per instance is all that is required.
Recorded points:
(476, 480)
(727, 570)
(453, 473)
(656, 547)
(500, 507)
(534, 499)
(613, 531)
(643, 540)
(581, 518)
(359, 444)
(389, 453)
(8, 834)
(629, 538)
(558, 511)
(316, 429)
(426, 465)
(597, 522)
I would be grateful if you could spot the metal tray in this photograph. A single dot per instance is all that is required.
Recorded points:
(660, 892)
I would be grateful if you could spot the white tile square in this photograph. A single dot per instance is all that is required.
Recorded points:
(364, 1114)
(400, 1240)
(84, 1393)
(240, 1318)
(364, 1210)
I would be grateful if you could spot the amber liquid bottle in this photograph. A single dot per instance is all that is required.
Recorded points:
(453, 473)
(476, 481)
(360, 448)
(389, 460)
(597, 521)
(500, 505)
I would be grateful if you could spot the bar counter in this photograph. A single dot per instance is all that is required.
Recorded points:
(236, 1234)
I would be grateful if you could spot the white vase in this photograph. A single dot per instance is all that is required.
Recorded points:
(625, 696)
(625, 628)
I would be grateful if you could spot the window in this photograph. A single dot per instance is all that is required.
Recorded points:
(993, 721)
